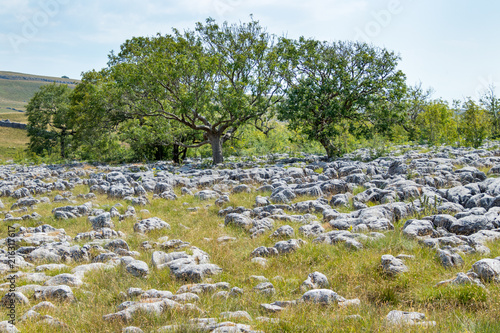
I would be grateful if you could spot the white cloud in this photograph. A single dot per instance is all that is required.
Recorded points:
(9, 7)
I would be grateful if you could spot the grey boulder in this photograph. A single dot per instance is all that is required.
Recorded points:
(315, 280)
(392, 266)
(150, 224)
(54, 293)
(418, 228)
(137, 268)
(322, 296)
(449, 258)
(487, 269)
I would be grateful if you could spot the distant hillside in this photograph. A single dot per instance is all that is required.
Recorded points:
(16, 89)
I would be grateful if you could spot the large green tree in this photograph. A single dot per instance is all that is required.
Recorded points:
(212, 80)
(49, 128)
(341, 86)
(96, 115)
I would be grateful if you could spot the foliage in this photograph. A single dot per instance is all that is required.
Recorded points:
(96, 117)
(416, 100)
(48, 112)
(280, 139)
(378, 146)
(436, 124)
(491, 103)
(154, 138)
(339, 88)
(474, 124)
(212, 80)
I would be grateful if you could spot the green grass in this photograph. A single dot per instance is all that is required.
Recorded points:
(12, 143)
(16, 93)
(19, 117)
(352, 274)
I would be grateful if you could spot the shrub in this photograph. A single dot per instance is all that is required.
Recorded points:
(474, 124)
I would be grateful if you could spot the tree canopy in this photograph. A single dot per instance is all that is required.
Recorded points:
(212, 80)
(48, 118)
(162, 95)
(341, 86)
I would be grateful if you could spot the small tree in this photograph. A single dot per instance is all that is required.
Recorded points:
(491, 103)
(416, 100)
(155, 138)
(341, 86)
(436, 124)
(48, 113)
(101, 117)
(474, 124)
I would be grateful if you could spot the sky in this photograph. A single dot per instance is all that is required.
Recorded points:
(451, 46)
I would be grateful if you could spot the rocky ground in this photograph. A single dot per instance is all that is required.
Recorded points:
(274, 244)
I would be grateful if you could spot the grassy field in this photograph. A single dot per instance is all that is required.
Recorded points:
(19, 117)
(16, 93)
(12, 142)
(352, 274)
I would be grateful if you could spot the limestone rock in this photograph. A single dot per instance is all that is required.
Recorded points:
(393, 266)
(138, 268)
(487, 270)
(54, 293)
(322, 296)
(150, 224)
(315, 280)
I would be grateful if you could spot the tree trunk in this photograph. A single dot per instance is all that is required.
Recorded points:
(331, 149)
(62, 138)
(184, 153)
(159, 152)
(216, 143)
(176, 154)
(326, 144)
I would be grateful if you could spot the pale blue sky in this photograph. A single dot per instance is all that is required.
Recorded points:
(451, 46)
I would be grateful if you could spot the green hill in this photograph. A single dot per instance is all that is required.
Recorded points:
(16, 89)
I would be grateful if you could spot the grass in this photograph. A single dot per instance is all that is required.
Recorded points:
(19, 117)
(15, 144)
(352, 274)
(16, 93)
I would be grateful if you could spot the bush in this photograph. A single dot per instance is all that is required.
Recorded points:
(474, 124)
(435, 125)
(280, 139)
